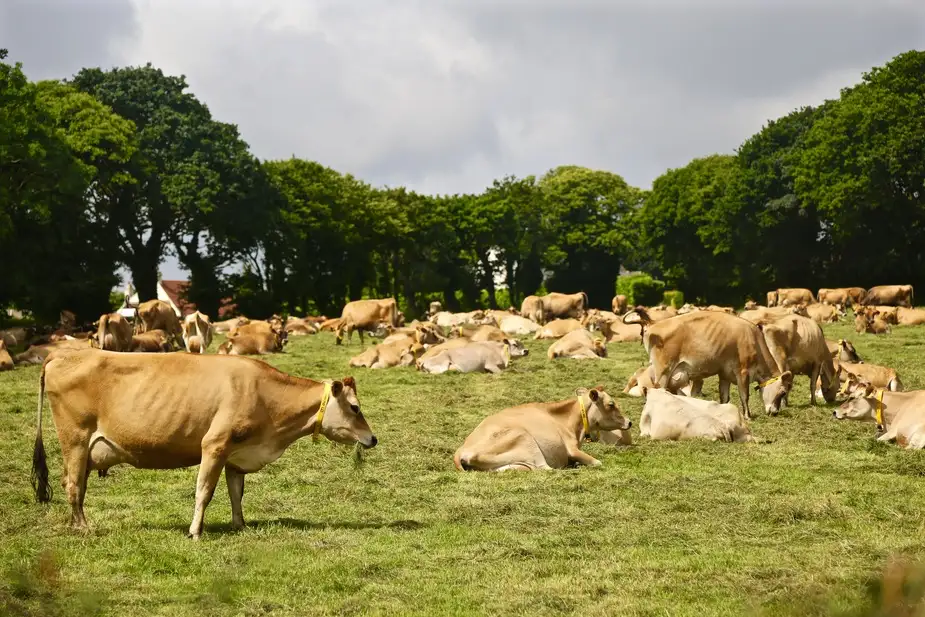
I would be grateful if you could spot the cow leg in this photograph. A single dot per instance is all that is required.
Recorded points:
(742, 383)
(493, 368)
(697, 388)
(583, 458)
(209, 470)
(814, 377)
(76, 457)
(724, 385)
(360, 334)
(235, 481)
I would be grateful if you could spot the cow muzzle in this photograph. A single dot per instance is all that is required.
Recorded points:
(369, 442)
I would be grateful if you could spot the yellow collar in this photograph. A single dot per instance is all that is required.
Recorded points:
(879, 412)
(764, 384)
(319, 417)
(584, 417)
(507, 352)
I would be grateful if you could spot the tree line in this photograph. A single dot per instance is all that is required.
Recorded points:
(120, 168)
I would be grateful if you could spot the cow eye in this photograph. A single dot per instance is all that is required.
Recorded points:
(355, 408)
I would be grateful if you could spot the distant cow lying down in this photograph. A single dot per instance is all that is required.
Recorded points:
(153, 341)
(518, 326)
(578, 345)
(251, 344)
(668, 416)
(541, 435)
(557, 328)
(491, 357)
(387, 355)
(643, 378)
(901, 415)
(37, 353)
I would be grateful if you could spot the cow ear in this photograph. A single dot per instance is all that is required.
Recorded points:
(594, 395)
(645, 391)
(351, 383)
(336, 388)
(581, 391)
(787, 378)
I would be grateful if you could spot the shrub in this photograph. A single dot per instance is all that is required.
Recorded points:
(673, 298)
(640, 289)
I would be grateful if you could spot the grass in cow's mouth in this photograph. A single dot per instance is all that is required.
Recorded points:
(795, 525)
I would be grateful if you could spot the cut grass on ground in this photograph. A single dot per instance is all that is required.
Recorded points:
(791, 526)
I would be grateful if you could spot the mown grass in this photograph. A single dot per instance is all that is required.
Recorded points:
(794, 525)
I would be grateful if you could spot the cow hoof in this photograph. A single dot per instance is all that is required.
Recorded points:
(194, 536)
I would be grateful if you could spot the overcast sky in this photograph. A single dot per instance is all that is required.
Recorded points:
(443, 97)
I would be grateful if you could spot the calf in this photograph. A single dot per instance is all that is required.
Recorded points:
(540, 435)
(900, 415)
(577, 344)
(168, 411)
(667, 416)
(557, 328)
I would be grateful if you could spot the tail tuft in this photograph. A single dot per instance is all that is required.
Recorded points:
(40, 483)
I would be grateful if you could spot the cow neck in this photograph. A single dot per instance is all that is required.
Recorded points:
(296, 405)
(767, 370)
(569, 413)
(884, 415)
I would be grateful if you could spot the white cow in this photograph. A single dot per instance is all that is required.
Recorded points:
(667, 416)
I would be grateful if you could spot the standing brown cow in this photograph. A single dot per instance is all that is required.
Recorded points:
(157, 315)
(787, 296)
(366, 316)
(114, 333)
(889, 295)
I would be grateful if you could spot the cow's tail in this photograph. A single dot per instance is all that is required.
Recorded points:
(911, 296)
(584, 299)
(40, 484)
(639, 315)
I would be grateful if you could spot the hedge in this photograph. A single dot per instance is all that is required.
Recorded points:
(640, 289)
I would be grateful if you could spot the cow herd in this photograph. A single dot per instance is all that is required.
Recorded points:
(169, 410)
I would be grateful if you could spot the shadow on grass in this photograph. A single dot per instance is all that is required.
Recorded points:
(292, 523)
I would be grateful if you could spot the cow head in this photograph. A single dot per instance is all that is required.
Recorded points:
(343, 421)
(773, 393)
(411, 355)
(600, 348)
(847, 353)
(426, 334)
(751, 305)
(516, 348)
(603, 412)
(861, 404)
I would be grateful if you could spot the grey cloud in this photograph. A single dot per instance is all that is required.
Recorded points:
(56, 38)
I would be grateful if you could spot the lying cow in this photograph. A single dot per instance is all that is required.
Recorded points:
(667, 416)
(899, 414)
(644, 379)
(557, 328)
(197, 332)
(151, 412)
(619, 304)
(421, 333)
(491, 357)
(772, 299)
(890, 295)
(298, 326)
(114, 333)
(515, 325)
(690, 348)
(36, 354)
(798, 346)
(578, 345)
(878, 376)
(6, 362)
(871, 323)
(228, 325)
(910, 316)
(152, 341)
(158, 315)
(540, 435)
(14, 337)
(446, 319)
(366, 316)
(387, 355)
(251, 345)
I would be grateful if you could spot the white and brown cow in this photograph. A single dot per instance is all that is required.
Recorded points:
(197, 332)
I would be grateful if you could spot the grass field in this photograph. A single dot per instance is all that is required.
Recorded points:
(796, 525)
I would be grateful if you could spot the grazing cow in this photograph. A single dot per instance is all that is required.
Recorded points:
(843, 351)
(6, 362)
(889, 295)
(798, 346)
(689, 348)
(824, 313)
(797, 295)
(157, 315)
(577, 344)
(197, 332)
(387, 355)
(667, 416)
(900, 415)
(540, 435)
(772, 299)
(532, 308)
(366, 316)
(489, 357)
(152, 341)
(114, 333)
(619, 304)
(557, 328)
(842, 296)
(169, 411)
(517, 325)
